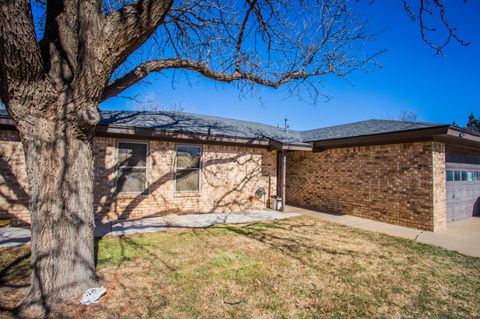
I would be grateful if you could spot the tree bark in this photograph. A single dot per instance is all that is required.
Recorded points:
(59, 164)
(51, 89)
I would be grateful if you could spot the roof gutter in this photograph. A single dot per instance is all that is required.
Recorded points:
(7, 122)
(460, 139)
(447, 134)
(463, 134)
(276, 145)
(421, 134)
(175, 136)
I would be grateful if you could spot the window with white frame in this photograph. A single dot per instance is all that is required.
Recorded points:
(187, 168)
(463, 176)
(131, 167)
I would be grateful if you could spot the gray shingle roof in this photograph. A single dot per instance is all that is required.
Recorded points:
(369, 127)
(213, 125)
(196, 123)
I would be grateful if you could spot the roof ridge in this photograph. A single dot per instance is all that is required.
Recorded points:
(412, 122)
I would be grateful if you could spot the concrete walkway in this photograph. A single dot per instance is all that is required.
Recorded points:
(16, 236)
(462, 236)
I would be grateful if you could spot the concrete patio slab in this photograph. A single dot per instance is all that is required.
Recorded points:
(148, 225)
(462, 236)
(16, 236)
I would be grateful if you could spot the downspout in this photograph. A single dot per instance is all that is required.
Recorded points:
(284, 177)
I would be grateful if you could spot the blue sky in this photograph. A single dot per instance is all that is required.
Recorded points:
(439, 89)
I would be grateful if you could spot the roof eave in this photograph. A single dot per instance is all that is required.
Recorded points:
(460, 138)
(167, 135)
(463, 134)
(420, 134)
(7, 122)
(146, 133)
(279, 146)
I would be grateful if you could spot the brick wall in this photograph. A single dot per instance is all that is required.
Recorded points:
(389, 183)
(402, 184)
(230, 176)
(13, 179)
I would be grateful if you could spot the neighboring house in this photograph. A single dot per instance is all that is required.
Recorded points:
(419, 175)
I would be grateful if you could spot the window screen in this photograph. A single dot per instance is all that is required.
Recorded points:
(131, 167)
(187, 168)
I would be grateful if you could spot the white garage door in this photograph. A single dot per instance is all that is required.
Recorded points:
(463, 191)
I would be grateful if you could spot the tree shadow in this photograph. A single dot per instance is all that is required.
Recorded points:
(290, 240)
(229, 195)
(168, 121)
(13, 192)
(164, 121)
(14, 280)
(226, 195)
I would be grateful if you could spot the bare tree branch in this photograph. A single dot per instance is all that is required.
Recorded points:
(428, 10)
(130, 26)
(262, 41)
(145, 69)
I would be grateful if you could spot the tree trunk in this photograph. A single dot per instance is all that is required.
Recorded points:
(59, 164)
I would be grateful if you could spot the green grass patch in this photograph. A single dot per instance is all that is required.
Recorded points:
(295, 268)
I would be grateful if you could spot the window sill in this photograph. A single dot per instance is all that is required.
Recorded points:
(187, 194)
(130, 195)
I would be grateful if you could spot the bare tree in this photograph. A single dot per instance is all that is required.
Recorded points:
(408, 116)
(58, 61)
(151, 102)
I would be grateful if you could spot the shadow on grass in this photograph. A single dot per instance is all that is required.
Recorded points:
(289, 239)
(14, 279)
(121, 249)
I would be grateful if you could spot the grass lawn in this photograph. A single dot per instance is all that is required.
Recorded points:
(295, 268)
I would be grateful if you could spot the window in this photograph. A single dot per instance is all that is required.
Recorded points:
(187, 168)
(458, 176)
(131, 167)
(449, 176)
(469, 176)
(463, 176)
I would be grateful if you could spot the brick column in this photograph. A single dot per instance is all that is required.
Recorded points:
(439, 187)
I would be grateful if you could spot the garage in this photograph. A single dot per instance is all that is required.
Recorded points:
(463, 185)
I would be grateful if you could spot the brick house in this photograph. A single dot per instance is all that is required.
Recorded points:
(419, 175)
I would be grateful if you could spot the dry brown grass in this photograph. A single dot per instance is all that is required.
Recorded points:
(296, 268)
